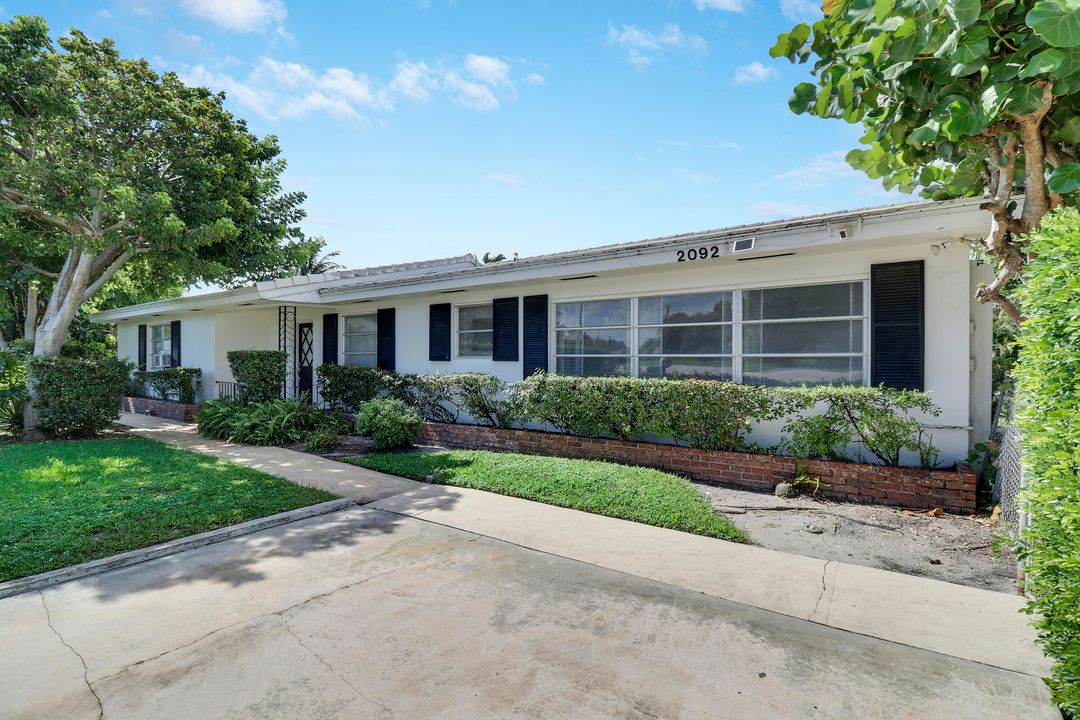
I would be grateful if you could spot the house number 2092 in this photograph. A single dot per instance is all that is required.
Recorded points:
(701, 253)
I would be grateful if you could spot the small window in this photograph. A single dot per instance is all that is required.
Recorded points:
(160, 346)
(361, 340)
(685, 336)
(475, 324)
(593, 338)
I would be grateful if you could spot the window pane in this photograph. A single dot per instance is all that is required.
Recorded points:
(475, 317)
(360, 360)
(568, 315)
(605, 313)
(360, 324)
(592, 342)
(832, 336)
(808, 370)
(360, 343)
(592, 366)
(474, 343)
(801, 302)
(696, 308)
(701, 339)
(711, 368)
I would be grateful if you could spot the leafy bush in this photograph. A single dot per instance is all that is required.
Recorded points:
(478, 396)
(12, 391)
(274, 422)
(346, 388)
(1046, 373)
(390, 423)
(259, 374)
(321, 440)
(873, 419)
(431, 395)
(175, 383)
(78, 396)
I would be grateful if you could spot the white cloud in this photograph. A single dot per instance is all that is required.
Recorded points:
(728, 5)
(823, 169)
(755, 72)
(773, 210)
(505, 179)
(693, 177)
(488, 70)
(643, 47)
(414, 80)
(282, 75)
(239, 15)
(316, 102)
(534, 79)
(257, 100)
(475, 96)
(353, 88)
(799, 10)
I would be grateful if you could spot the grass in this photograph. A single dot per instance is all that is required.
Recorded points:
(63, 503)
(620, 491)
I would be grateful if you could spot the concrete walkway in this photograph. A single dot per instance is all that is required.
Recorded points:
(434, 600)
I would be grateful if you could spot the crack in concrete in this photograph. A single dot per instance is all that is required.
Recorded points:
(332, 669)
(824, 576)
(86, 670)
(280, 612)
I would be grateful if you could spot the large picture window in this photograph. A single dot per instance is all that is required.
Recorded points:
(361, 340)
(812, 334)
(475, 323)
(160, 346)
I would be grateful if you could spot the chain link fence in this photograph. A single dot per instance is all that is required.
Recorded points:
(1009, 480)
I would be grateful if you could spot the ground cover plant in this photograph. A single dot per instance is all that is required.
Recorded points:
(620, 491)
(73, 501)
(274, 422)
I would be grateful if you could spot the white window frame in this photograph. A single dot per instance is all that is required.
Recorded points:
(736, 322)
(345, 335)
(458, 332)
(631, 355)
(158, 359)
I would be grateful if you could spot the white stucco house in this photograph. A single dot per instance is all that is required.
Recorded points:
(874, 296)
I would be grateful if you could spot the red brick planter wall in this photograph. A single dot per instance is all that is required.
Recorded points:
(951, 490)
(160, 408)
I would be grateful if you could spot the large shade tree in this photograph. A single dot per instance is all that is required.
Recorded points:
(106, 166)
(958, 98)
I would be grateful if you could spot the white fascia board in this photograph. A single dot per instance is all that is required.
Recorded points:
(207, 301)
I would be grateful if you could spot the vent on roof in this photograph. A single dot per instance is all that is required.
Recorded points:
(451, 292)
(577, 277)
(743, 245)
(765, 257)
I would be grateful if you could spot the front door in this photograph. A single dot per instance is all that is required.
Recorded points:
(305, 359)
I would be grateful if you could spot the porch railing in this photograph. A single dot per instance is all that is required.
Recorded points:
(227, 390)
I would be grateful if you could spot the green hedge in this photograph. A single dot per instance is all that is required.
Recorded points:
(259, 374)
(175, 383)
(391, 423)
(705, 414)
(1048, 394)
(78, 396)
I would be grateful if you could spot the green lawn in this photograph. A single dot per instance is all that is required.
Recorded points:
(68, 502)
(620, 491)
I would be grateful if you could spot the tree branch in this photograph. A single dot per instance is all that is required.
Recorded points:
(36, 269)
(107, 275)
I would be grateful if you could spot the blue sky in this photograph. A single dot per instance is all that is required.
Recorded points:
(428, 128)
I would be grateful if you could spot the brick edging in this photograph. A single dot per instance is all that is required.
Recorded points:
(160, 408)
(951, 490)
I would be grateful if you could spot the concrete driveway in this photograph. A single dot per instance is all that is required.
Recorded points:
(372, 613)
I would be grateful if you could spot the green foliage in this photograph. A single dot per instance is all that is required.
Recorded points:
(12, 391)
(484, 398)
(75, 501)
(321, 440)
(259, 374)
(273, 422)
(78, 397)
(1048, 396)
(389, 422)
(175, 383)
(632, 493)
(347, 387)
(875, 420)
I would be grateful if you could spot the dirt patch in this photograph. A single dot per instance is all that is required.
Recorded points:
(952, 548)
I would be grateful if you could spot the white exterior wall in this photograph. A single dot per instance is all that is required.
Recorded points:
(196, 343)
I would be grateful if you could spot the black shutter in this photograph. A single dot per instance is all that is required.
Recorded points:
(385, 338)
(504, 338)
(439, 332)
(896, 322)
(330, 339)
(174, 343)
(535, 339)
(142, 347)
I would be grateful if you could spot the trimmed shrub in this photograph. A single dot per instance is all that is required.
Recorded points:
(1048, 417)
(275, 422)
(259, 374)
(78, 396)
(389, 422)
(175, 383)
(346, 388)
(431, 395)
(484, 398)
(874, 420)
